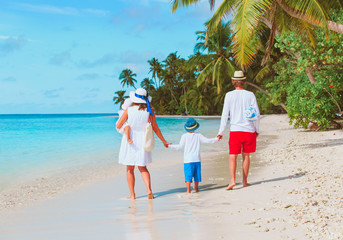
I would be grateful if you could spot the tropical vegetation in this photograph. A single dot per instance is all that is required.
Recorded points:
(293, 60)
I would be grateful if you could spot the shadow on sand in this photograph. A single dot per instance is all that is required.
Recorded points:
(210, 187)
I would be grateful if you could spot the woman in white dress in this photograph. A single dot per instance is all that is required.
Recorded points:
(131, 155)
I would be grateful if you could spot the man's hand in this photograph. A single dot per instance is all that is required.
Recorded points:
(166, 144)
(220, 137)
(257, 134)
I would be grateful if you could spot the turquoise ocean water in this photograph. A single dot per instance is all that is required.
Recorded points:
(34, 144)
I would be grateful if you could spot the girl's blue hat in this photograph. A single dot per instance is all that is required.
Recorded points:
(191, 125)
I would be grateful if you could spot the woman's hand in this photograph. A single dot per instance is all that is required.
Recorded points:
(166, 144)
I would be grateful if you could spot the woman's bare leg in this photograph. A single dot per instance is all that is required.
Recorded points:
(130, 176)
(146, 179)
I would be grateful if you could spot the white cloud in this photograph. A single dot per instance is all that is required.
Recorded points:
(60, 58)
(50, 9)
(11, 44)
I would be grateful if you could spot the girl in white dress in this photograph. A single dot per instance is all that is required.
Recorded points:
(133, 154)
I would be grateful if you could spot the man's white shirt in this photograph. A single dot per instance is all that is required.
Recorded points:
(235, 103)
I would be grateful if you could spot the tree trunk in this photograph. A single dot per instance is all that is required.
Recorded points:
(337, 27)
(267, 93)
(310, 75)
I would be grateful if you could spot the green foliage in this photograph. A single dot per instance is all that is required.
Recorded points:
(307, 102)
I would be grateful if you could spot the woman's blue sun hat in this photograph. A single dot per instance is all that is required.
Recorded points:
(141, 96)
(191, 125)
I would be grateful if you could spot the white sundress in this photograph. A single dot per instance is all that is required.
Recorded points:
(134, 154)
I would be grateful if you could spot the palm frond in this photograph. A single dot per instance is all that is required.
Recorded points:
(182, 3)
(230, 67)
(262, 74)
(205, 72)
(312, 11)
(223, 10)
(248, 14)
(217, 70)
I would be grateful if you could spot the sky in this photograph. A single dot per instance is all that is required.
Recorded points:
(62, 56)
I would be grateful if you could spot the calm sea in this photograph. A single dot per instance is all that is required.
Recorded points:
(52, 143)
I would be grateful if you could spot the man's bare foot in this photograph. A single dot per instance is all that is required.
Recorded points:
(129, 141)
(246, 184)
(150, 196)
(230, 187)
(196, 190)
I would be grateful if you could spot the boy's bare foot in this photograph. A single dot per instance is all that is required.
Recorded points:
(150, 196)
(246, 184)
(129, 141)
(230, 187)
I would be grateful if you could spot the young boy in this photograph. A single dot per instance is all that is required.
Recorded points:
(125, 128)
(190, 142)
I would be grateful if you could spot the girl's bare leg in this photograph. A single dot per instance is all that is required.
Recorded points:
(246, 165)
(127, 130)
(146, 179)
(232, 165)
(130, 176)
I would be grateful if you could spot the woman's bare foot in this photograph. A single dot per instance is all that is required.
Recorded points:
(230, 187)
(131, 197)
(150, 196)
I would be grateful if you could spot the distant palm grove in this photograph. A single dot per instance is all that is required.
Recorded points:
(291, 52)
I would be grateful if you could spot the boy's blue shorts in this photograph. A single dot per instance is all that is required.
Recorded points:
(192, 170)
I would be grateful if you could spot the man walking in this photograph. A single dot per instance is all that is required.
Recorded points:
(241, 106)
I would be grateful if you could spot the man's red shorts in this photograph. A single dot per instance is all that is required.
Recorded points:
(239, 140)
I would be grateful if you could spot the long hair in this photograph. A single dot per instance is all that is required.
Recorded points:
(141, 106)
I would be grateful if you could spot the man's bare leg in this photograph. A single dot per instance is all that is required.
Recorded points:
(188, 185)
(246, 165)
(146, 179)
(127, 130)
(232, 165)
(196, 186)
(130, 176)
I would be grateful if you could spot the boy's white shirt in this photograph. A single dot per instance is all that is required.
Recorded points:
(235, 103)
(191, 142)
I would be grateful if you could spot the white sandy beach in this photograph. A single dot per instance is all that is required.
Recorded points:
(295, 193)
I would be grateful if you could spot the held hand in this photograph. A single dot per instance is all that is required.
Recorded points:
(166, 144)
(220, 137)
(257, 134)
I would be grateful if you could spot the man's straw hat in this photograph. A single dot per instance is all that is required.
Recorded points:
(238, 75)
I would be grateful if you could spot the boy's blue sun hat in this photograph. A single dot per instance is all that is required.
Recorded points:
(191, 125)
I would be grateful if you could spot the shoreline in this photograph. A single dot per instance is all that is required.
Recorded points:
(295, 193)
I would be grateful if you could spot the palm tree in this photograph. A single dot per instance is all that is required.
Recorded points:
(170, 75)
(252, 16)
(147, 84)
(119, 97)
(155, 69)
(219, 67)
(127, 78)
